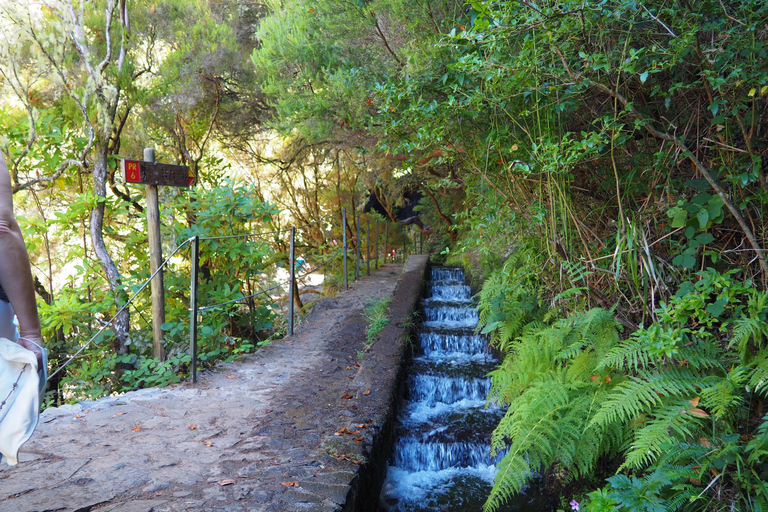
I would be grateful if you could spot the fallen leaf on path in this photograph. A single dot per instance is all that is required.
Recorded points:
(226, 482)
(291, 484)
(345, 430)
(349, 367)
(360, 439)
(357, 366)
(79, 416)
(367, 392)
(192, 427)
(362, 425)
(120, 413)
(136, 429)
(346, 397)
(207, 443)
(341, 456)
(230, 376)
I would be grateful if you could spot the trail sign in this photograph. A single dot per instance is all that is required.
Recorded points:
(152, 173)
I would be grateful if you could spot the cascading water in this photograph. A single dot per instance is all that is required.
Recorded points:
(441, 459)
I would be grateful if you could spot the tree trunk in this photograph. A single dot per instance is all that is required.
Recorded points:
(121, 323)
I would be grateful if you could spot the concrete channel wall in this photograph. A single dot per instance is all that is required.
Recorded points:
(385, 366)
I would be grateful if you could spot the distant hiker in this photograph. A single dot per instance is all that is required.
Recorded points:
(23, 360)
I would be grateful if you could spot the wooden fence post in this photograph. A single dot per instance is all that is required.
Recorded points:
(155, 261)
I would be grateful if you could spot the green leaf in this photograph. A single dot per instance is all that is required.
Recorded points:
(490, 327)
(705, 238)
(717, 308)
(703, 217)
(679, 220)
(689, 261)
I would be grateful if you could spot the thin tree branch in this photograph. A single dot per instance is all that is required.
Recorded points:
(685, 151)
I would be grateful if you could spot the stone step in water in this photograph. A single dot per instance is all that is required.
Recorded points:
(456, 292)
(414, 455)
(467, 366)
(436, 342)
(431, 389)
(466, 426)
(450, 315)
(447, 274)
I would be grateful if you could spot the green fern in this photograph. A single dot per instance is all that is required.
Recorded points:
(724, 395)
(758, 380)
(546, 380)
(667, 424)
(639, 395)
(630, 354)
(751, 327)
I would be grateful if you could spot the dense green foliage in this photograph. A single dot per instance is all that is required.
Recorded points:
(606, 159)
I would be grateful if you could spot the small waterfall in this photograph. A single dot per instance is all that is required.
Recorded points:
(441, 458)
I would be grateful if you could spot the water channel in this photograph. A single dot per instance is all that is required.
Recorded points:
(441, 458)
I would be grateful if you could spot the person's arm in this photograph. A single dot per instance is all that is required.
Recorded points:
(15, 270)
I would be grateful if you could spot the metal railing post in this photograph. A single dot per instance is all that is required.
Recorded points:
(292, 263)
(405, 244)
(367, 246)
(386, 241)
(421, 242)
(357, 249)
(344, 238)
(194, 268)
(376, 245)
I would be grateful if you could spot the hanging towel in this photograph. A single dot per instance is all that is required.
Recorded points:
(20, 385)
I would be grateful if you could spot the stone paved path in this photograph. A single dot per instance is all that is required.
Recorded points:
(257, 434)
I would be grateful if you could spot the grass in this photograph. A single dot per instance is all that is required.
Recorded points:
(375, 314)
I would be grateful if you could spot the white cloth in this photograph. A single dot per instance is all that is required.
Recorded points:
(20, 385)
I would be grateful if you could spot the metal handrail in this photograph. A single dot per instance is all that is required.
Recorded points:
(195, 310)
(125, 306)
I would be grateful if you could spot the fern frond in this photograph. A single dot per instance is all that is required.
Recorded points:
(637, 395)
(669, 423)
(514, 473)
(702, 356)
(533, 428)
(746, 329)
(630, 354)
(725, 394)
(758, 380)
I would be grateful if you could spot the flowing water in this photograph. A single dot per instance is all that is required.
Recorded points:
(441, 459)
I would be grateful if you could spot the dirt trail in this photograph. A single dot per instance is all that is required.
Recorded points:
(257, 434)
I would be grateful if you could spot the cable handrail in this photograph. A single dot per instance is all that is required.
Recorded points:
(244, 235)
(266, 233)
(123, 308)
(195, 310)
(322, 265)
(262, 292)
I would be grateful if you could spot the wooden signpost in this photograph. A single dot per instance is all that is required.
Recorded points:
(150, 173)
